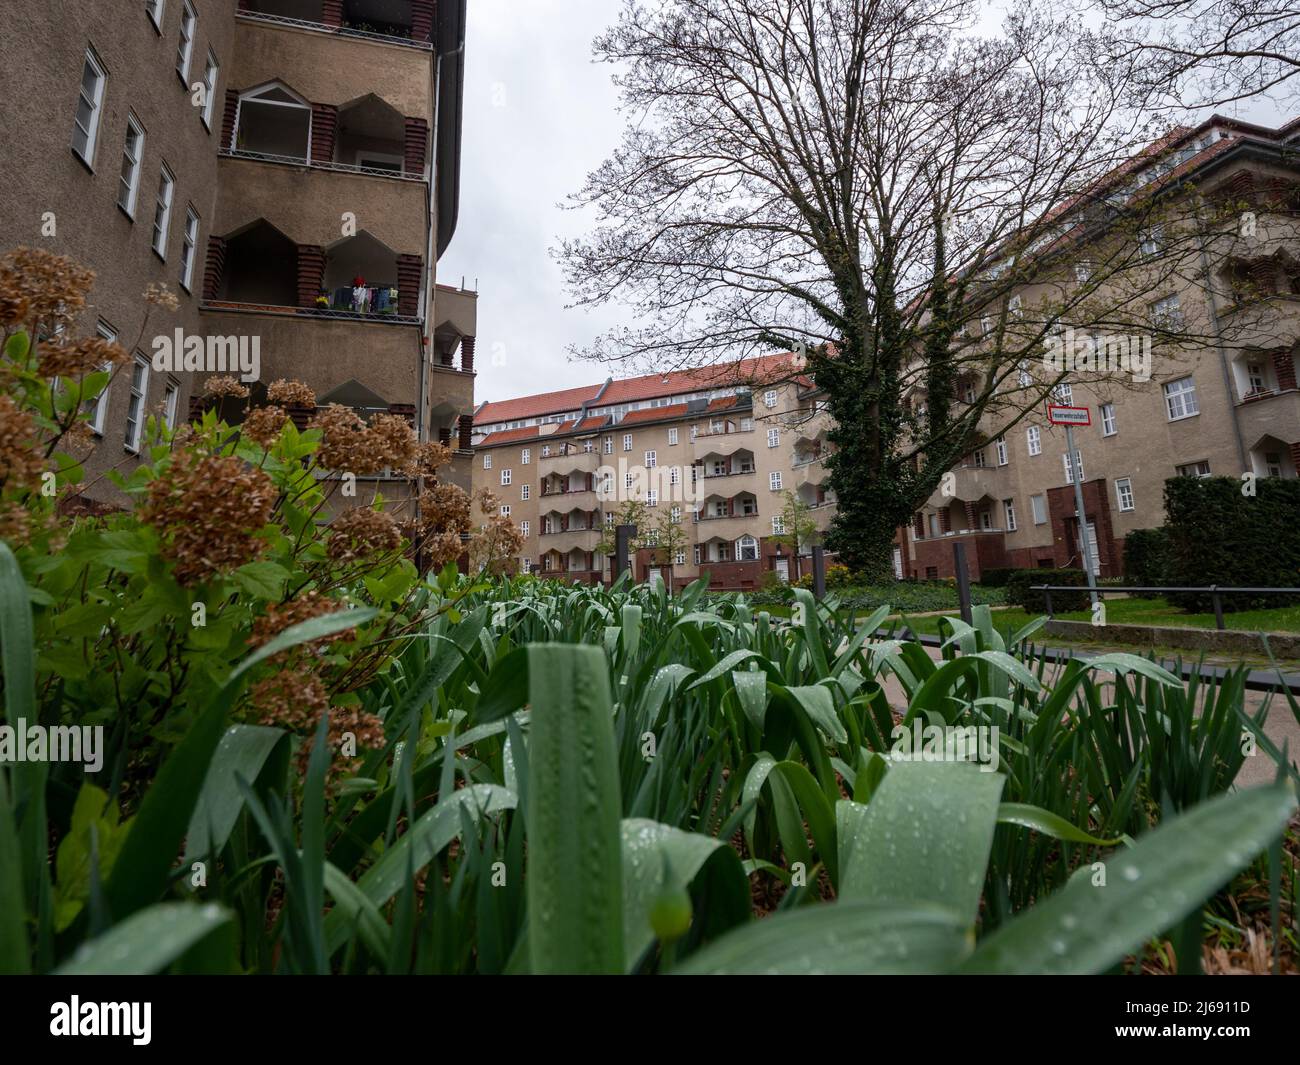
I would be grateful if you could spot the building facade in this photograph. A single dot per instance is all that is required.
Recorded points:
(743, 435)
(288, 168)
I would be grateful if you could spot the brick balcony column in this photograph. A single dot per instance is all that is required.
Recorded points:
(245, 5)
(216, 266)
(918, 525)
(228, 119)
(972, 517)
(1284, 367)
(422, 17)
(467, 354)
(311, 273)
(1295, 454)
(410, 270)
(324, 126)
(444, 436)
(945, 520)
(403, 410)
(332, 12)
(415, 146)
(466, 432)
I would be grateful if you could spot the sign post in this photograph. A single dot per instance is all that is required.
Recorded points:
(1070, 417)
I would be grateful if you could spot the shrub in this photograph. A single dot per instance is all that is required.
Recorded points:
(997, 578)
(1019, 592)
(1219, 535)
(1146, 559)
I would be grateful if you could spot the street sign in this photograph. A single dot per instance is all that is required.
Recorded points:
(1068, 415)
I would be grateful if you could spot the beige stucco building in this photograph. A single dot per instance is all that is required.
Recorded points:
(290, 168)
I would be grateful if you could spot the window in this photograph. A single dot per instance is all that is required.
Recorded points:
(1038, 506)
(1014, 306)
(717, 427)
(546, 450)
(1194, 469)
(769, 398)
(1273, 463)
(185, 48)
(100, 411)
(1023, 376)
(968, 393)
(986, 325)
(1009, 514)
(746, 425)
(505, 477)
(135, 409)
(505, 510)
(132, 153)
(527, 562)
(525, 490)
(628, 478)
(1034, 436)
(774, 480)
(1150, 241)
(934, 524)
(651, 460)
(675, 515)
(672, 437)
(525, 456)
(746, 549)
(171, 396)
(189, 239)
(154, 9)
(627, 441)
(210, 70)
(986, 520)
(773, 437)
(675, 475)
(1083, 272)
(1255, 374)
(1124, 493)
(609, 518)
(697, 554)
(273, 121)
(679, 557)
(487, 461)
(1167, 313)
(609, 445)
(978, 459)
(1071, 467)
(1108, 419)
(652, 497)
(1064, 394)
(162, 212)
(588, 446)
(1180, 399)
(89, 107)
(695, 431)
(1000, 447)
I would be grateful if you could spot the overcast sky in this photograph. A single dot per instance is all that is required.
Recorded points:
(539, 115)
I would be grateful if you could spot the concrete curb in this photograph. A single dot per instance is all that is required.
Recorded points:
(1282, 644)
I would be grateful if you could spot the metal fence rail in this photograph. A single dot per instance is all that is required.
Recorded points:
(1215, 591)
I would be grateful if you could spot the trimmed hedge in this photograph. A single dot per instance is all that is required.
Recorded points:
(997, 578)
(1218, 535)
(1019, 593)
(1146, 559)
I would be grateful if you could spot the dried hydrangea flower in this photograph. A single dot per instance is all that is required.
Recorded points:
(54, 286)
(444, 507)
(209, 513)
(225, 386)
(80, 357)
(362, 533)
(393, 440)
(161, 296)
(20, 465)
(263, 425)
(428, 459)
(13, 308)
(287, 393)
(304, 607)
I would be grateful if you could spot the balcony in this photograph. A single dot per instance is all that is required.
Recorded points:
(971, 484)
(571, 539)
(401, 22)
(728, 463)
(1275, 414)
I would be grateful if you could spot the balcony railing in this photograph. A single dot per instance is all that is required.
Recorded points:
(730, 473)
(370, 318)
(339, 31)
(310, 164)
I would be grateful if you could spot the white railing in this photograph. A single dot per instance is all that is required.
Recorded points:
(342, 31)
(312, 164)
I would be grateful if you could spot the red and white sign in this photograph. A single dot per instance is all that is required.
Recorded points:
(1069, 415)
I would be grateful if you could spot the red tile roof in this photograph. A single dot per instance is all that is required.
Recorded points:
(653, 414)
(508, 436)
(764, 369)
(510, 410)
(587, 425)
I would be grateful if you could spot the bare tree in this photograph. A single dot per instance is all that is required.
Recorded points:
(1207, 52)
(871, 183)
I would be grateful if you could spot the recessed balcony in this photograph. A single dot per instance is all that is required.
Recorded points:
(403, 22)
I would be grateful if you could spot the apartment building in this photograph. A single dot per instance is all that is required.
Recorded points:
(714, 449)
(1229, 407)
(289, 168)
(742, 435)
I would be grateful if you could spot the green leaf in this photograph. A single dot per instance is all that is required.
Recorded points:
(843, 938)
(1048, 823)
(575, 883)
(14, 952)
(243, 749)
(925, 836)
(148, 941)
(91, 812)
(263, 580)
(1087, 927)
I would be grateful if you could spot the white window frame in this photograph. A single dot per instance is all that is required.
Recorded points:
(1181, 398)
(1191, 469)
(675, 515)
(609, 445)
(1064, 394)
(1009, 514)
(1000, 448)
(129, 187)
(778, 525)
(651, 460)
(94, 105)
(162, 212)
(171, 400)
(672, 436)
(627, 441)
(1123, 489)
(136, 411)
(696, 554)
(679, 557)
(774, 438)
(1070, 466)
(743, 548)
(505, 478)
(1038, 509)
(185, 46)
(1108, 425)
(774, 480)
(652, 497)
(505, 510)
(487, 460)
(769, 398)
(189, 247)
(1034, 440)
(211, 74)
(525, 491)
(156, 10)
(100, 413)
(525, 456)
(524, 527)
